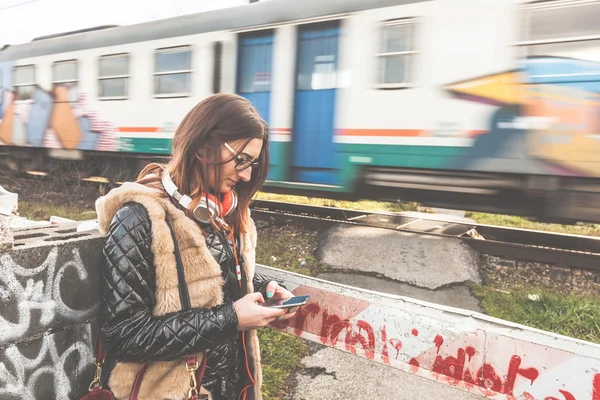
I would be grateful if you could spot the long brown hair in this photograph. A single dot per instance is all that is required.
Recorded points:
(197, 146)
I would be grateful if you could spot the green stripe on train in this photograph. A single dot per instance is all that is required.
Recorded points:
(349, 157)
(145, 145)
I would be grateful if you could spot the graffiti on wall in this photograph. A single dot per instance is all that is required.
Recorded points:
(48, 296)
(50, 119)
(547, 118)
(50, 372)
(44, 290)
(459, 353)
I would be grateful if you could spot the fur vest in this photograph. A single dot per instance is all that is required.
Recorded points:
(170, 379)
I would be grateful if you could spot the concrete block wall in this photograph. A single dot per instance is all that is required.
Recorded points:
(49, 295)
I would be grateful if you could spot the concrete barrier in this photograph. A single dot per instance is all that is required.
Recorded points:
(472, 351)
(49, 292)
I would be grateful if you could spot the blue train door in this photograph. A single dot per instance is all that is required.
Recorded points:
(255, 58)
(315, 103)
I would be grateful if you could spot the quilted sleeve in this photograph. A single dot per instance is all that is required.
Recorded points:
(128, 329)
(260, 283)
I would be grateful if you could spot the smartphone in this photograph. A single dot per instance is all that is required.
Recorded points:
(296, 301)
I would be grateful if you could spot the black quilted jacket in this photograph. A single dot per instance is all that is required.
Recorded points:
(129, 331)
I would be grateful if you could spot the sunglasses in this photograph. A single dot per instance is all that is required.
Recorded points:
(241, 163)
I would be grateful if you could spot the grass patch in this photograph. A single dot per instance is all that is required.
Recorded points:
(280, 355)
(525, 223)
(575, 316)
(290, 248)
(365, 205)
(37, 211)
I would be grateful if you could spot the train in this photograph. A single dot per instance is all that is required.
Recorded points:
(477, 105)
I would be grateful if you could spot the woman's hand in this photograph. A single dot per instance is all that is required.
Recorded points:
(252, 315)
(274, 291)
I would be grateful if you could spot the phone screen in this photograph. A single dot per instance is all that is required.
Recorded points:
(286, 303)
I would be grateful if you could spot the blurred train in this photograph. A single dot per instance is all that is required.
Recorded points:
(489, 105)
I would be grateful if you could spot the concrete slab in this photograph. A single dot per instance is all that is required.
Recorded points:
(332, 374)
(442, 215)
(425, 261)
(454, 296)
(448, 211)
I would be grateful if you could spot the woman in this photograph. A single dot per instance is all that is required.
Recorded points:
(220, 157)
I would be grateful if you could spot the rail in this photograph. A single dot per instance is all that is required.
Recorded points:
(565, 250)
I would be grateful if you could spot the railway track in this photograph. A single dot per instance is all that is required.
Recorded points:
(564, 250)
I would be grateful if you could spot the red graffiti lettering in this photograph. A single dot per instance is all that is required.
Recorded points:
(414, 365)
(453, 367)
(439, 341)
(397, 344)
(331, 328)
(488, 378)
(514, 370)
(300, 318)
(468, 378)
(368, 343)
(567, 395)
(385, 356)
(450, 366)
(470, 352)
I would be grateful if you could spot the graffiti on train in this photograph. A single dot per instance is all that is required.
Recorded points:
(53, 119)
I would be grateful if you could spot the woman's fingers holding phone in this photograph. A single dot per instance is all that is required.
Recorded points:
(251, 314)
(289, 313)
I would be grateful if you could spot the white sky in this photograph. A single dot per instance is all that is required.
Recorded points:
(23, 20)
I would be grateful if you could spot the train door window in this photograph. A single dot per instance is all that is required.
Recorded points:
(317, 69)
(561, 28)
(172, 72)
(255, 54)
(397, 50)
(113, 77)
(24, 82)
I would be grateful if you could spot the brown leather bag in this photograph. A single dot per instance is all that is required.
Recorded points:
(97, 392)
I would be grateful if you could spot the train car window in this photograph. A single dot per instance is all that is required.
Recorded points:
(172, 72)
(1, 90)
(559, 20)
(113, 77)
(64, 73)
(24, 81)
(397, 51)
(548, 29)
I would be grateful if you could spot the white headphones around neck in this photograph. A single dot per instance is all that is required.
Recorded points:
(208, 206)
